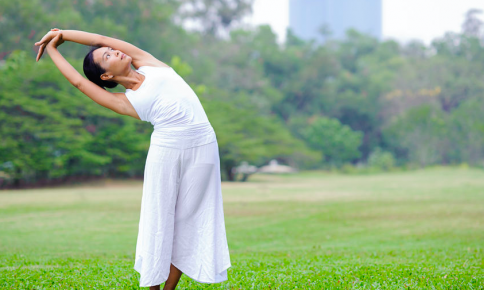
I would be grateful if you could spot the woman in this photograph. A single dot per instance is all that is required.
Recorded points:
(181, 228)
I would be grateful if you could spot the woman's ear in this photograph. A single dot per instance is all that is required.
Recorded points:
(106, 77)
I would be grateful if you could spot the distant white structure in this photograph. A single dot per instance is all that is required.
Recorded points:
(275, 167)
(245, 168)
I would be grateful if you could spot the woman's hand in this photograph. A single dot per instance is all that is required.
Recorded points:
(53, 44)
(56, 41)
(45, 40)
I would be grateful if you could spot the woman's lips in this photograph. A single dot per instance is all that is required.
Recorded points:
(123, 55)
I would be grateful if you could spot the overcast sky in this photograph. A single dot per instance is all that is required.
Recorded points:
(403, 20)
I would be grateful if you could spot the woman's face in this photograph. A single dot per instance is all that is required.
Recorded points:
(113, 61)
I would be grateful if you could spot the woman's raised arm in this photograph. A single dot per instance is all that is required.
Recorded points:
(113, 101)
(139, 57)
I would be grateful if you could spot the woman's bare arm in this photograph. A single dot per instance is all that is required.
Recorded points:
(116, 102)
(139, 56)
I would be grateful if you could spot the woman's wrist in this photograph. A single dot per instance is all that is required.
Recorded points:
(49, 47)
(82, 37)
(56, 41)
(51, 44)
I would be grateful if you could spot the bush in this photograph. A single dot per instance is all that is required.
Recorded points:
(382, 160)
(338, 143)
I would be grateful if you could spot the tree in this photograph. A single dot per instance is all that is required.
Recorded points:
(50, 130)
(472, 25)
(133, 21)
(244, 135)
(337, 142)
(215, 17)
(422, 132)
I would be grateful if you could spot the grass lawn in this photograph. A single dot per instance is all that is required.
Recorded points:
(420, 229)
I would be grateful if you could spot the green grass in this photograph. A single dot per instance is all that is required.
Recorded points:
(403, 230)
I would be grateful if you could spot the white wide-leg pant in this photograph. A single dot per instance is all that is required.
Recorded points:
(182, 218)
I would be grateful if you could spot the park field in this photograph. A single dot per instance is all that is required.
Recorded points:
(421, 229)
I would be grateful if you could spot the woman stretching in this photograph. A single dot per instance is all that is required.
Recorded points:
(181, 227)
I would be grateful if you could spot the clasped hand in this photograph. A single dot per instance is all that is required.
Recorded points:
(52, 38)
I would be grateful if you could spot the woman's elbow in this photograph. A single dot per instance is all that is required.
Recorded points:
(77, 83)
(101, 40)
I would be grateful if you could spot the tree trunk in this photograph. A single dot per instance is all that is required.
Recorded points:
(230, 175)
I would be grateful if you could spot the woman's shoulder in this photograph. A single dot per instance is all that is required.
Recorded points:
(152, 74)
(153, 70)
(152, 67)
(150, 64)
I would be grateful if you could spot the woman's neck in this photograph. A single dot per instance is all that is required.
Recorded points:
(132, 80)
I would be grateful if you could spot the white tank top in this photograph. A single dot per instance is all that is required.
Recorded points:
(165, 100)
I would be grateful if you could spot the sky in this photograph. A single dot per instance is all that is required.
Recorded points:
(403, 20)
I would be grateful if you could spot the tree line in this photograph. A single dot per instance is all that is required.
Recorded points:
(353, 101)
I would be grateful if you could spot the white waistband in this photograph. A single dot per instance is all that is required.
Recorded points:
(183, 137)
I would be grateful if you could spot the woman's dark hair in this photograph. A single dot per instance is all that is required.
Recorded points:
(93, 71)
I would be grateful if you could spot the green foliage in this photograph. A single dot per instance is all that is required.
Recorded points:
(466, 133)
(337, 142)
(428, 136)
(422, 132)
(50, 130)
(123, 19)
(215, 18)
(242, 134)
(382, 160)
(421, 103)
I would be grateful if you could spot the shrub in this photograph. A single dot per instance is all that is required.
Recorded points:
(382, 160)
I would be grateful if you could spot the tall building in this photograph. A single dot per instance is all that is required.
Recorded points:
(307, 17)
